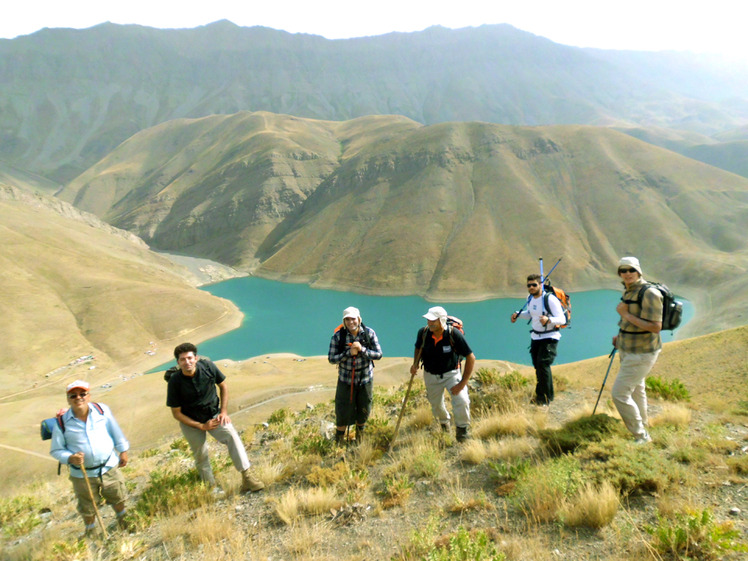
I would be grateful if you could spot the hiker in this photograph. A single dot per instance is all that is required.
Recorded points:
(354, 347)
(194, 402)
(546, 314)
(638, 344)
(87, 435)
(439, 346)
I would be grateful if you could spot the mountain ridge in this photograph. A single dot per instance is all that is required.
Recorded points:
(71, 96)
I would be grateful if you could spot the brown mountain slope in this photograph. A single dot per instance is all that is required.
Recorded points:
(73, 286)
(457, 210)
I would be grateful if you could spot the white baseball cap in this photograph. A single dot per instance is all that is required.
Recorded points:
(437, 312)
(79, 384)
(351, 312)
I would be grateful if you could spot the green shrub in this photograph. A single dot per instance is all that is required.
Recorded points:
(504, 472)
(19, 515)
(170, 491)
(628, 467)
(513, 381)
(694, 536)
(180, 444)
(672, 390)
(541, 490)
(580, 433)
(466, 546)
(486, 376)
(396, 489)
(278, 416)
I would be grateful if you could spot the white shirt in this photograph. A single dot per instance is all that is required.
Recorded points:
(535, 310)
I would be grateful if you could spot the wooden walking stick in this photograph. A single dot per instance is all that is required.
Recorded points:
(93, 501)
(402, 410)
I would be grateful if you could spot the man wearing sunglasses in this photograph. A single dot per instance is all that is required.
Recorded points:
(88, 435)
(638, 344)
(544, 336)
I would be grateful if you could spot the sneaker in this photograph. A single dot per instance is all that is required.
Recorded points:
(644, 439)
(250, 483)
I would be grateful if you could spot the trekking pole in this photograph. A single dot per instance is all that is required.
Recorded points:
(402, 410)
(612, 354)
(552, 268)
(93, 501)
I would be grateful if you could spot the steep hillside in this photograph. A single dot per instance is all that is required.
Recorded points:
(530, 484)
(74, 286)
(71, 96)
(385, 205)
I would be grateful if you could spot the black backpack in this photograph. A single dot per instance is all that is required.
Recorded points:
(672, 309)
(342, 338)
(452, 323)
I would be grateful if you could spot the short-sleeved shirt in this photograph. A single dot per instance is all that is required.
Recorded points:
(632, 339)
(196, 395)
(439, 356)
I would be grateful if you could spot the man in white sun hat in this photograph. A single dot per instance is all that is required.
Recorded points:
(439, 347)
(354, 347)
(638, 344)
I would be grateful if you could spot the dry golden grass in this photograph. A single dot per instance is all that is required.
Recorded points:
(593, 507)
(511, 448)
(304, 536)
(288, 507)
(318, 500)
(504, 424)
(473, 452)
(270, 472)
(420, 417)
(672, 414)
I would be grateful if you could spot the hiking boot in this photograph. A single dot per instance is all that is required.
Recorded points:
(462, 434)
(250, 483)
(340, 437)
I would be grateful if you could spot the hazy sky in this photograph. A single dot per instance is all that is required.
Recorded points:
(709, 26)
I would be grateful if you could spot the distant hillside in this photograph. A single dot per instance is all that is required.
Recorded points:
(71, 96)
(729, 155)
(455, 210)
(74, 286)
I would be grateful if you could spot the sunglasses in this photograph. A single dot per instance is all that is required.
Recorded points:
(620, 271)
(77, 395)
(532, 284)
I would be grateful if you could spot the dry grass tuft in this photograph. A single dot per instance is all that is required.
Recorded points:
(511, 448)
(318, 500)
(420, 418)
(305, 536)
(673, 414)
(473, 452)
(593, 507)
(504, 424)
(269, 472)
(288, 507)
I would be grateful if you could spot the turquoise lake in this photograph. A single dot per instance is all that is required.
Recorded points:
(294, 318)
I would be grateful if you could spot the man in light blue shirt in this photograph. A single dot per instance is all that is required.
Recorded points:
(88, 435)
